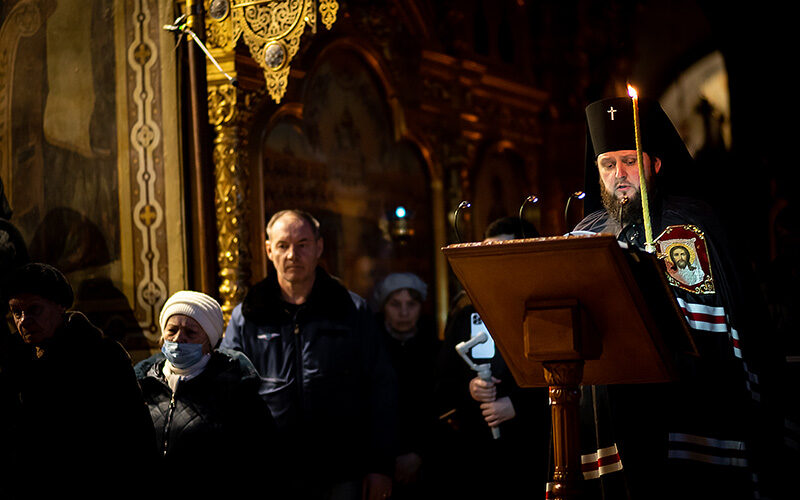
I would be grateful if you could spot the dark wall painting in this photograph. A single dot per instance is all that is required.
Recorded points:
(59, 147)
(64, 171)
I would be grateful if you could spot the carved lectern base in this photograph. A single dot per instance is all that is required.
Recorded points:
(563, 379)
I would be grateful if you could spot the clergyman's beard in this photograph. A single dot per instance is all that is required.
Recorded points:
(629, 213)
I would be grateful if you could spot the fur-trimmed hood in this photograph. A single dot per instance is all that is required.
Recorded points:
(328, 297)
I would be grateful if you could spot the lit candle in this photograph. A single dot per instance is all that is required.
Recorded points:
(648, 230)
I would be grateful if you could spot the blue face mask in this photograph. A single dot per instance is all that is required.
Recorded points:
(182, 355)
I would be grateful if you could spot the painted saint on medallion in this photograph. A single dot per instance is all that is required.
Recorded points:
(683, 251)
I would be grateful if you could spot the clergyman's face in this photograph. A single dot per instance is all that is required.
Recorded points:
(619, 172)
(293, 249)
(36, 318)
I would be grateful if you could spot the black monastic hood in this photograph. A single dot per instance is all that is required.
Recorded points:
(610, 127)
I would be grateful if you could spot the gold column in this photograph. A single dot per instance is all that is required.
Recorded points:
(229, 115)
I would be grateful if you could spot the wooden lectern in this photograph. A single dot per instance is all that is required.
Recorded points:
(566, 311)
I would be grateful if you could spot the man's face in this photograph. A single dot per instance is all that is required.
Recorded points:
(36, 318)
(619, 172)
(680, 257)
(293, 249)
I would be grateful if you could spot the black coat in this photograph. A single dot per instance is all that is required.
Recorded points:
(83, 415)
(215, 417)
(414, 361)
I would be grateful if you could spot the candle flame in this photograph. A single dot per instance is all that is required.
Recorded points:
(632, 92)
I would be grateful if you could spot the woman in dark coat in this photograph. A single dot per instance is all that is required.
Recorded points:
(413, 347)
(204, 402)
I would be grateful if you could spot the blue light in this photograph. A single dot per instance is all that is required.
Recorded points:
(400, 212)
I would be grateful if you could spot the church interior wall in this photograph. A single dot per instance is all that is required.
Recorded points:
(451, 81)
(90, 154)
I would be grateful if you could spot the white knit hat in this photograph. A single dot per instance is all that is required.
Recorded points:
(399, 281)
(198, 306)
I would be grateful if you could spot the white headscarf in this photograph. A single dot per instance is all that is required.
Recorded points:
(399, 281)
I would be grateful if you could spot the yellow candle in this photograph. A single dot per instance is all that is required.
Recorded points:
(648, 230)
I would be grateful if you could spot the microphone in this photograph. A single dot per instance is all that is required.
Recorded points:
(462, 205)
(532, 199)
(180, 26)
(579, 195)
(622, 203)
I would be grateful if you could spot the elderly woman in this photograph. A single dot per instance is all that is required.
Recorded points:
(204, 402)
(413, 347)
(71, 402)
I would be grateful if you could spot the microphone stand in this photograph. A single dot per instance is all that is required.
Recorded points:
(578, 195)
(462, 205)
(532, 199)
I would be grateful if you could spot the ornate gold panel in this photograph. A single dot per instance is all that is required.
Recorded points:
(271, 29)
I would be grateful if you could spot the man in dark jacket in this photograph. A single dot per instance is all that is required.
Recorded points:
(710, 433)
(84, 423)
(325, 373)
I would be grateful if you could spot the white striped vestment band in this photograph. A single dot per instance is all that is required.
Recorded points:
(702, 317)
(708, 450)
(606, 460)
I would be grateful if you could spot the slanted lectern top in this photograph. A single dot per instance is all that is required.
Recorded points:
(569, 298)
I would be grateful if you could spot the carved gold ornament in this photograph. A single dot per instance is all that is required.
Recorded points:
(271, 29)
